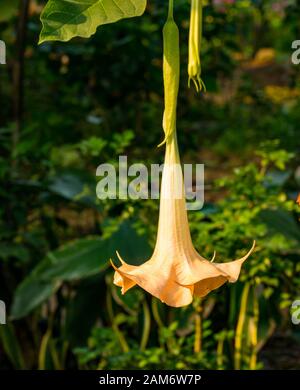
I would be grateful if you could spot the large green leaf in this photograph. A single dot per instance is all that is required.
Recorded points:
(74, 185)
(11, 346)
(30, 294)
(77, 260)
(85, 303)
(89, 256)
(65, 19)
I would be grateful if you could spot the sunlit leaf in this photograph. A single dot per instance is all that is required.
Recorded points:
(30, 294)
(65, 19)
(76, 260)
(11, 346)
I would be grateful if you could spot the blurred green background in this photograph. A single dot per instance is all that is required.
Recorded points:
(68, 107)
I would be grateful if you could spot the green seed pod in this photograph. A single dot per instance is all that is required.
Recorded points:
(171, 73)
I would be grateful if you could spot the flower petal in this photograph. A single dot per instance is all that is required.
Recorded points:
(233, 268)
(205, 286)
(158, 281)
(175, 282)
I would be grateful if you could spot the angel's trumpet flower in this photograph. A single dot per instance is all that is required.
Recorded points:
(175, 272)
(195, 40)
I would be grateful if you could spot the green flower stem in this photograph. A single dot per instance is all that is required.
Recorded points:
(195, 40)
(171, 73)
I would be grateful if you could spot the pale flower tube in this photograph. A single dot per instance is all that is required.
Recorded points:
(176, 272)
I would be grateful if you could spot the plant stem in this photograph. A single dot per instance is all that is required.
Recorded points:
(198, 328)
(43, 349)
(156, 314)
(171, 8)
(171, 73)
(147, 326)
(220, 349)
(239, 328)
(253, 332)
(54, 354)
(115, 327)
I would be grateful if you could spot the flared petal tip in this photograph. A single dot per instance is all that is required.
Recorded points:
(178, 291)
(120, 258)
(233, 268)
(244, 258)
(214, 256)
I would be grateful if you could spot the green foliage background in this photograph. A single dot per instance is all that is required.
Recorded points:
(88, 101)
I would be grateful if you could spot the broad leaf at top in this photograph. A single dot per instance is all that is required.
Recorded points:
(65, 19)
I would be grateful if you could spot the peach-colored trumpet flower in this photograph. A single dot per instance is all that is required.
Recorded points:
(176, 272)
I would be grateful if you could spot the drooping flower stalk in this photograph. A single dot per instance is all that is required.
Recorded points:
(175, 272)
(171, 73)
(195, 40)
